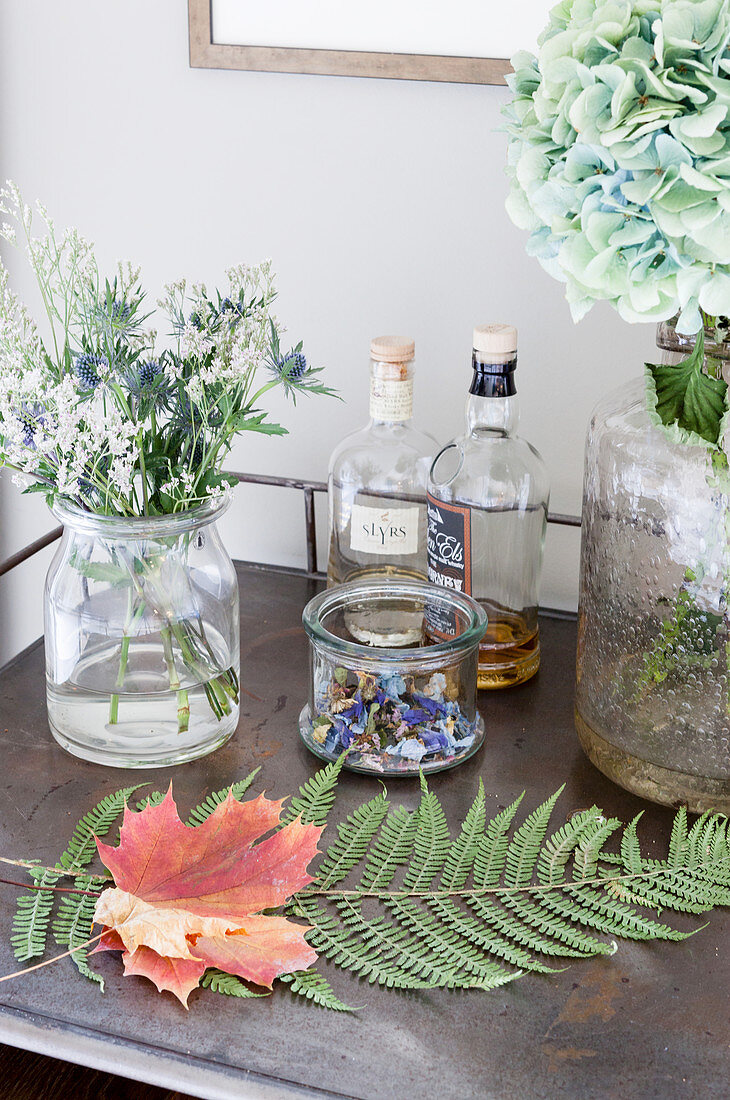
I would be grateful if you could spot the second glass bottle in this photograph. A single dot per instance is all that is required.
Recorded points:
(487, 512)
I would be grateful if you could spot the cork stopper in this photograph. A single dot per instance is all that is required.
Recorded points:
(495, 340)
(392, 349)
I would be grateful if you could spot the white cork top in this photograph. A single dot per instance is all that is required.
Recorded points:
(495, 339)
(392, 349)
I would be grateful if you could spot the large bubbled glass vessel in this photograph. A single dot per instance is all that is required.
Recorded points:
(653, 676)
(141, 632)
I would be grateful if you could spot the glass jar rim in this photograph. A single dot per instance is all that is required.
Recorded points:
(131, 527)
(668, 339)
(332, 598)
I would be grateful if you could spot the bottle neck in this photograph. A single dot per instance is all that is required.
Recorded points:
(391, 392)
(492, 403)
(492, 415)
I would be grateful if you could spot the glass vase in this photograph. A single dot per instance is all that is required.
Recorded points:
(653, 669)
(142, 637)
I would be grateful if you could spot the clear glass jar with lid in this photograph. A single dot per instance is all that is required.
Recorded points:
(377, 485)
(395, 710)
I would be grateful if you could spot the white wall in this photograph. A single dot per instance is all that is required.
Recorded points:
(381, 203)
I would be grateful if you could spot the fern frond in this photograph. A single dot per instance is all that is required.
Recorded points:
(154, 798)
(501, 899)
(371, 949)
(202, 812)
(492, 851)
(631, 849)
(229, 984)
(72, 926)
(29, 931)
(32, 918)
(521, 933)
(353, 840)
(524, 847)
(484, 934)
(315, 987)
(81, 847)
(461, 963)
(590, 846)
(678, 840)
(589, 908)
(463, 852)
(558, 849)
(316, 797)
(432, 841)
(391, 848)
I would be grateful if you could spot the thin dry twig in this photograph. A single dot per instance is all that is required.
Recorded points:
(56, 958)
(56, 889)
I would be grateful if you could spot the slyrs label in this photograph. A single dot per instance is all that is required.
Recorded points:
(384, 530)
(449, 558)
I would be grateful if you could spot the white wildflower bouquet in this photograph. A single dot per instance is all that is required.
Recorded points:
(101, 419)
(94, 413)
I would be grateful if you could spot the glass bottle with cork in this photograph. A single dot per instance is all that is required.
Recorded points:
(487, 512)
(377, 490)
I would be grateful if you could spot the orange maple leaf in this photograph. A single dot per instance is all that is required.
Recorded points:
(187, 898)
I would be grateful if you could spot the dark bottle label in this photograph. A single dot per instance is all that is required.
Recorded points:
(449, 558)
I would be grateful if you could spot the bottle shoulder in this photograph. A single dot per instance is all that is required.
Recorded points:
(488, 447)
(489, 465)
(381, 446)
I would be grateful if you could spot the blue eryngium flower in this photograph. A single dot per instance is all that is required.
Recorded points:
(292, 366)
(119, 311)
(148, 371)
(30, 420)
(86, 369)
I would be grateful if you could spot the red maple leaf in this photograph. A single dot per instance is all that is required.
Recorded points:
(187, 898)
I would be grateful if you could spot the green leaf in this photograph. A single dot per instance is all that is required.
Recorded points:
(316, 796)
(202, 812)
(73, 925)
(101, 571)
(315, 987)
(685, 397)
(257, 423)
(418, 911)
(34, 910)
(229, 984)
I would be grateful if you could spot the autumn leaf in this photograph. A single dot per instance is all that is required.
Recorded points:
(189, 897)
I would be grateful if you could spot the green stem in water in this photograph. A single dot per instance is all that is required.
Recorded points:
(183, 711)
(183, 703)
(114, 702)
(124, 657)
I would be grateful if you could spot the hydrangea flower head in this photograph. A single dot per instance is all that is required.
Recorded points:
(619, 155)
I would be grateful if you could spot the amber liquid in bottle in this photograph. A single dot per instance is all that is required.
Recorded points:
(509, 652)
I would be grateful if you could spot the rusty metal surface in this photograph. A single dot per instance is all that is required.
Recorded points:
(30, 550)
(651, 1021)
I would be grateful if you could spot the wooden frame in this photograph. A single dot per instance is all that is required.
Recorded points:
(207, 54)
